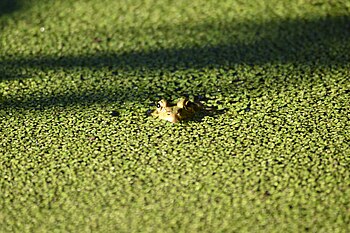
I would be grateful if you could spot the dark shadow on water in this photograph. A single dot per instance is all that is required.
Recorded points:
(320, 42)
(213, 113)
(293, 41)
(9, 6)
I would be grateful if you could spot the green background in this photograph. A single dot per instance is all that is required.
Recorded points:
(79, 153)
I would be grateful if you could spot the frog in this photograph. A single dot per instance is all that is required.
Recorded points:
(184, 109)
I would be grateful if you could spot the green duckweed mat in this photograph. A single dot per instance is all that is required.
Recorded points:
(78, 152)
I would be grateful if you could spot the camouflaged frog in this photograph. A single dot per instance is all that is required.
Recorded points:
(184, 109)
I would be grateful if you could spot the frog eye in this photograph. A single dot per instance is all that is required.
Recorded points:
(158, 105)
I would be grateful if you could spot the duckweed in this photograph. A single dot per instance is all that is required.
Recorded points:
(78, 152)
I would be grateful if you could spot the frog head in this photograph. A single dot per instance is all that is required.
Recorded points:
(182, 110)
(167, 111)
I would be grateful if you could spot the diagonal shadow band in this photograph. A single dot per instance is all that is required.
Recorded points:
(9, 6)
(323, 42)
(314, 43)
